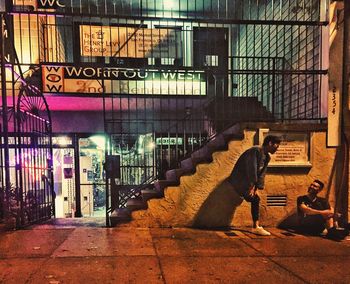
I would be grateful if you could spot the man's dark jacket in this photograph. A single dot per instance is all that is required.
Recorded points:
(249, 170)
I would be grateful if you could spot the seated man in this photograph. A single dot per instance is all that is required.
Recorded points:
(316, 214)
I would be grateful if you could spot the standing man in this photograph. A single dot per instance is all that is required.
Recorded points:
(248, 176)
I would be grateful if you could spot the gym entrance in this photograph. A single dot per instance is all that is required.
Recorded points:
(79, 176)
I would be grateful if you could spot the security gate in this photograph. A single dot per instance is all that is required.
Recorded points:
(34, 170)
(29, 198)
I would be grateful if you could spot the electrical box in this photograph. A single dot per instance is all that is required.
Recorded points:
(112, 166)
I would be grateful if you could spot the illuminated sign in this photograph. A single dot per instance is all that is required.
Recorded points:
(110, 80)
(178, 140)
(20, 140)
(34, 5)
(132, 42)
(50, 4)
(62, 140)
(169, 141)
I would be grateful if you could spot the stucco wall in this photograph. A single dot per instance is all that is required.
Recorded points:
(205, 200)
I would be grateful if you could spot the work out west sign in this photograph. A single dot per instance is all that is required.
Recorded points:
(124, 42)
(110, 80)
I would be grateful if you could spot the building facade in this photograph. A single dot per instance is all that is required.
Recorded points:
(147, 82)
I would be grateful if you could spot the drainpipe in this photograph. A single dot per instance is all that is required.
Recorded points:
(346, 109)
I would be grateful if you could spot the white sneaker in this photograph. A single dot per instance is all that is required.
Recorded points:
(260, 231)
(324, 232)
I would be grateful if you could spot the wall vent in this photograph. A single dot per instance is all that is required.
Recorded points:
(277, 200)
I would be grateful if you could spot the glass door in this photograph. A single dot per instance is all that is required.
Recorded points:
(92, 179)
(64, 182)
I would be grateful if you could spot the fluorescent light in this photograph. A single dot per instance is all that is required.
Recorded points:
(99, 140)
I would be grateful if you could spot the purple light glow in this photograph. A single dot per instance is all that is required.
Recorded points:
(74, 103)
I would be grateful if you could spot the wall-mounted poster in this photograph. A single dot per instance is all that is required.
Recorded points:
(68, 172)
(293, 150)
(68, 159)
(134, 42)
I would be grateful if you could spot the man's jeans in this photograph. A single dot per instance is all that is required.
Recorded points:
(255, 201)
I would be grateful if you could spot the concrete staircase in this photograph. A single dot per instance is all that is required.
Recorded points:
(221, 112)
(188, 167)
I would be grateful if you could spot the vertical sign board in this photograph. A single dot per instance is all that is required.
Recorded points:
(7, 5)
(334, 118)
(7, 36)
(2, 6)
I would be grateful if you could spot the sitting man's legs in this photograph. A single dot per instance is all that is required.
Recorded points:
(312, 224)
(316, 225)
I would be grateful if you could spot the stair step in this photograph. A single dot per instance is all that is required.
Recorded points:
(148, 194)
(218, 142)
(171, 175)
(118, 216)
(189, 164)
(233, 136)
(160, 185)
(202, 160)
(203, 153)
(136, 204)
(175, 174)
(235, 129)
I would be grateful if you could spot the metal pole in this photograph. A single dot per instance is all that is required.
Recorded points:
(4, 110)
(77, 177)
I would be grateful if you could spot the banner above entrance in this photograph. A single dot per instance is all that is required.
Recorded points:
(110, 80)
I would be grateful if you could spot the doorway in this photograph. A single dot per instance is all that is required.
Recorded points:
(92, 176)
(85, 178)
(64, 181)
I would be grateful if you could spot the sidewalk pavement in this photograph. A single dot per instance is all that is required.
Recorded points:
(83, 251)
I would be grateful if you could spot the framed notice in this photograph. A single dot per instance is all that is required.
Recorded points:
(294, 150)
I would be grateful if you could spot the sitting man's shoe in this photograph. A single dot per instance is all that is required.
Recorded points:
(324, 233)
(260, 231)
(336, 234)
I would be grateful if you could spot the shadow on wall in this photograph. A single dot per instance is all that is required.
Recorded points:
(219, 208)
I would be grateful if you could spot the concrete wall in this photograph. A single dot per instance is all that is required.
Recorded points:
(204, 200)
